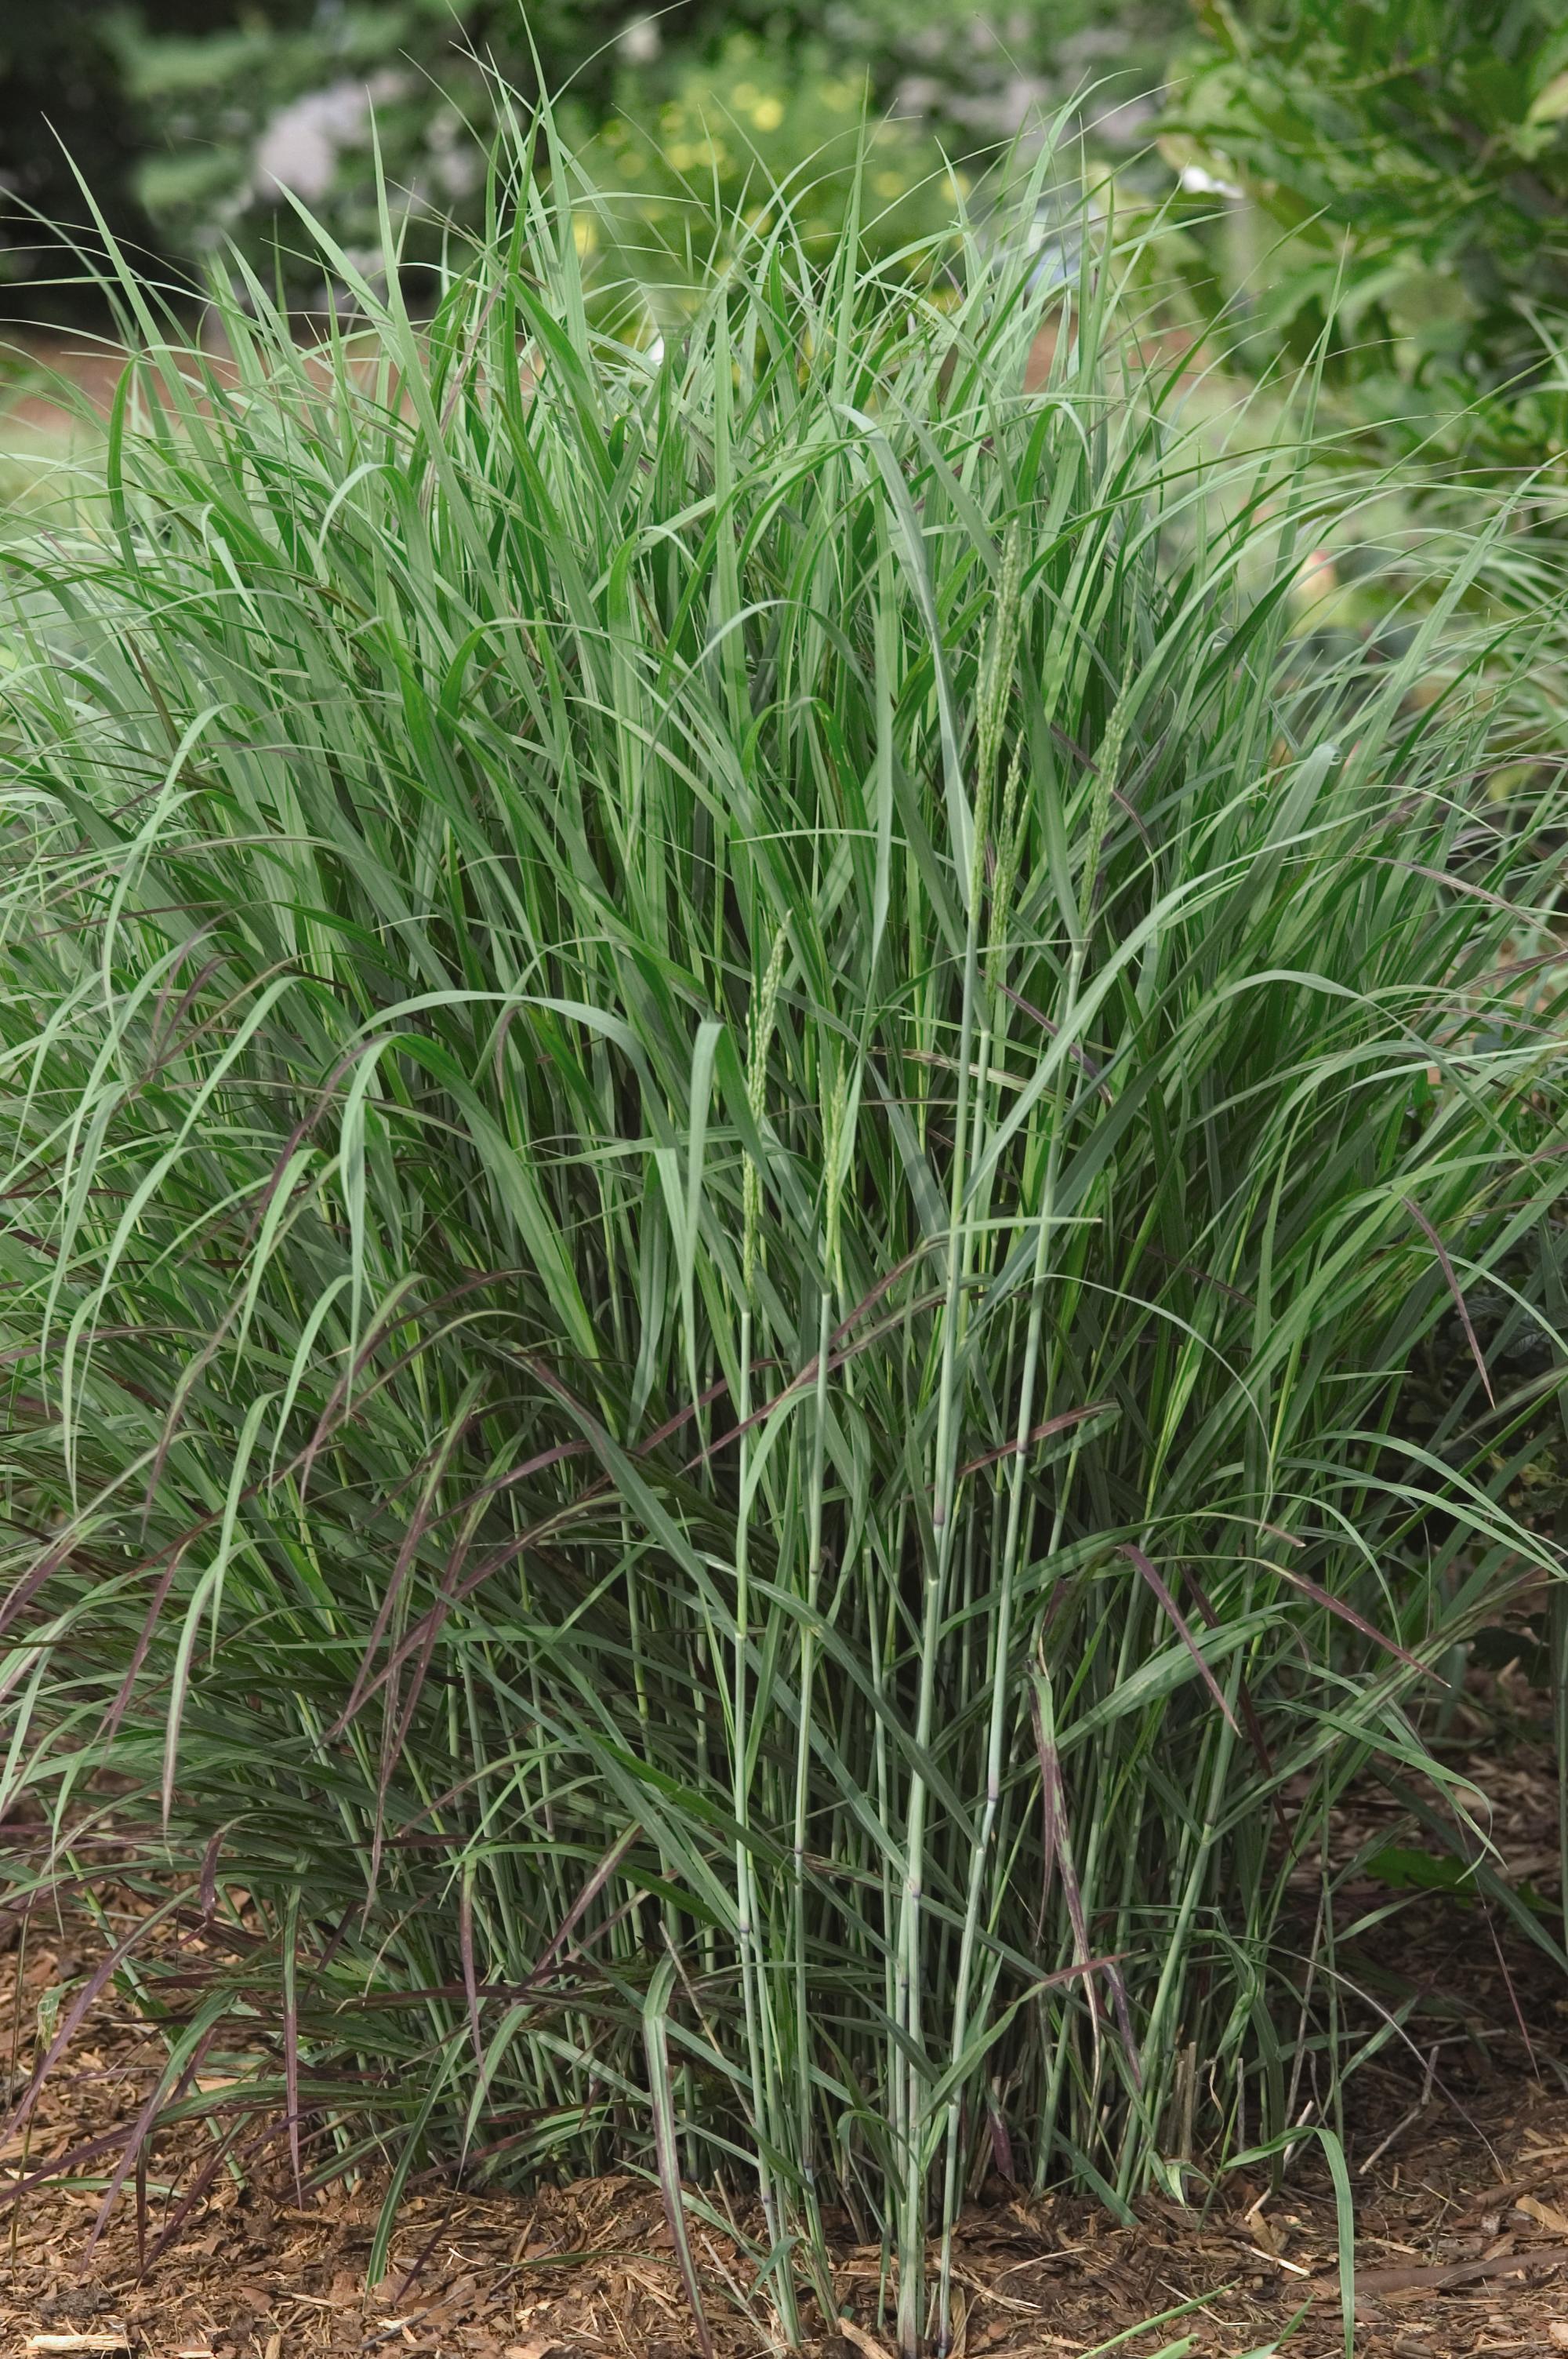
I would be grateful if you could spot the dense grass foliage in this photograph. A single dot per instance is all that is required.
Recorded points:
(734, 1091)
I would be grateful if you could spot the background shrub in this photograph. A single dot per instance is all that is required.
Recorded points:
(1409, 164)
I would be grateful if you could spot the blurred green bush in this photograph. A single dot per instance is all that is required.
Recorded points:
(64, 107)
(1408, 161)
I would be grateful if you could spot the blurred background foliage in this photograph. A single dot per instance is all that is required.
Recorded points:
(1404, 170)
(737, 142)
(187, 116)
(1379, 184)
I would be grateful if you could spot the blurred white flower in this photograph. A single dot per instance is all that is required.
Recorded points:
(1198, 182)
(299, 149)
(640, 41)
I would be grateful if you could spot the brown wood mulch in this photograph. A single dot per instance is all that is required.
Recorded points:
(1458, 2143)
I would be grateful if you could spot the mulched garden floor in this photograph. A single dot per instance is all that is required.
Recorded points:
(1458, 2134)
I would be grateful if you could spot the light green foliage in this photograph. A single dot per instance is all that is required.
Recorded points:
(725, 1086)
(1410, 162)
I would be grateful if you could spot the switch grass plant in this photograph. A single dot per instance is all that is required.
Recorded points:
(733, 1095)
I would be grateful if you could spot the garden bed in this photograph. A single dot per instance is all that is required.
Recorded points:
(1458, 2135)
(783, 1249)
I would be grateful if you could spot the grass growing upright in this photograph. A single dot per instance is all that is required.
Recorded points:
(731, 1103)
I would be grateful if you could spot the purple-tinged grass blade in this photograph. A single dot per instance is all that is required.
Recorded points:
(655, 2040)
(1155, 1580)
(1451, 1282)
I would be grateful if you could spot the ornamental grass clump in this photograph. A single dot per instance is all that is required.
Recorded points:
(734, 1097)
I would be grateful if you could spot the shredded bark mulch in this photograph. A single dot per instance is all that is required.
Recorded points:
(1458, 2134)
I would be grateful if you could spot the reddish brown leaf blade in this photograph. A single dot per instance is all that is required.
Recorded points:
(1057, 1424)
(1057, 1850)
(1332, 1604)
(583, 1903)
(291, 2041)
(471, 1977)
(1446, 1266)
(1254, 1726)
(75, 2015)
(1151, 1574)
(195, 2193)
(133, 2155)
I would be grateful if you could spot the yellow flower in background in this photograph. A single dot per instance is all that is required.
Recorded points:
(698, 156)
(585, 236)
(675, 174)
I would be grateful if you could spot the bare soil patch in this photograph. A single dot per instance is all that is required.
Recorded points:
(42, 367)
